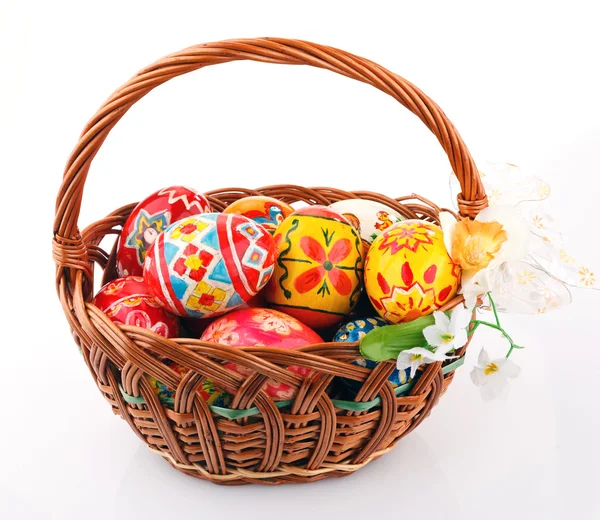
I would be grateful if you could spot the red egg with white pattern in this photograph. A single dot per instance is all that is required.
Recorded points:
(262, 327)
(149, 218)
(210, 264)
(128, 301)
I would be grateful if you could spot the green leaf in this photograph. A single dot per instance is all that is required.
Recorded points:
(387, 342)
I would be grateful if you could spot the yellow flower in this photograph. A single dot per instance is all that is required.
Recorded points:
(525, 277)
(542, 190)
(587, 277)
(475, 243)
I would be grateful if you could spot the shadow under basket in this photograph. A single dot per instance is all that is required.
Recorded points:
(256, 440)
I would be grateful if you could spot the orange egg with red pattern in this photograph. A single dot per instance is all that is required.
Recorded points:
(408, 271)
(266, 211)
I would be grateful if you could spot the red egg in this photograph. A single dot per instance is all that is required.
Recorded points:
(210, 264)
(149, 218)
(128, 301)
(262, 327)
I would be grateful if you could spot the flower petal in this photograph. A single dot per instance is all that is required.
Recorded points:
(410, 359)
(341, 281)
(340, 250)
(474, 285)
(313, 249)
(460, 339)
(442, 321)
(427, 355)
(508, 368)
(521, 287)
(478, 376)
(448, 223)
(495, 388)
(433, 335)
(484, 359)
(459, 319)
(470, 299)
(441, 354)
(308, 280)
(510, 217)
(476, 244)
(416, 363)
(404, 360)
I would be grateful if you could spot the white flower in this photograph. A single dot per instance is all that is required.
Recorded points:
(478, 281)
(492, 376)
(532, 238)
(417, 356)
(449, 333)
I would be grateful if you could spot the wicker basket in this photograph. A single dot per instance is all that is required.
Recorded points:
(257, 440)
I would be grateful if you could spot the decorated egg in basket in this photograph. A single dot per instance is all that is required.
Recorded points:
(149, 218)
(408, 271)
(209, 264)
(374, 217)
(318, 274)
(128, 301)
(210, 394)
(355, 330)
(266, 211)
(262, 327)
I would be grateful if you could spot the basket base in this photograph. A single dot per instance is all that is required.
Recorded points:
(285, 475)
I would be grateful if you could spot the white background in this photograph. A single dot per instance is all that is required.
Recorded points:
(519, 80)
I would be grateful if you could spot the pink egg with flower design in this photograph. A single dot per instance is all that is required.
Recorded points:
(262, 327)
(151, 217)
(128, 301)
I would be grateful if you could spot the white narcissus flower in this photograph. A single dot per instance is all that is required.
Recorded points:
(492, 375)
(417, 356)
(449, 333)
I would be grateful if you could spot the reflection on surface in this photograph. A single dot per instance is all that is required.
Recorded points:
(406, 481)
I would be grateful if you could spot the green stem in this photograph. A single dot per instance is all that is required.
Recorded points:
(513, 345)
(476, 323)
(489, 295)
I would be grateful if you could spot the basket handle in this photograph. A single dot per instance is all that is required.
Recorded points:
(67, 241)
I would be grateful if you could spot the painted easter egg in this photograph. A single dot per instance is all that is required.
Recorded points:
(266, 211)
(318, 274)
(128, 301)
(355, 330)
(195, 327)
(149, 218)
(262, 327)
(210, 394)
(374, 217)
(408, 272)
(209, 264)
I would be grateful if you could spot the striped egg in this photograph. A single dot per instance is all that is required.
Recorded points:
(209, 264)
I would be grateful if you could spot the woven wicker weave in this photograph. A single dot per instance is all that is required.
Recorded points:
(312, 438)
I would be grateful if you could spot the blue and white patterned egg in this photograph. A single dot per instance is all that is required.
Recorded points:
(355, 330)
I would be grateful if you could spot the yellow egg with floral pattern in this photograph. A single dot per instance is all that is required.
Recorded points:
(318, 269)
(408, 271)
